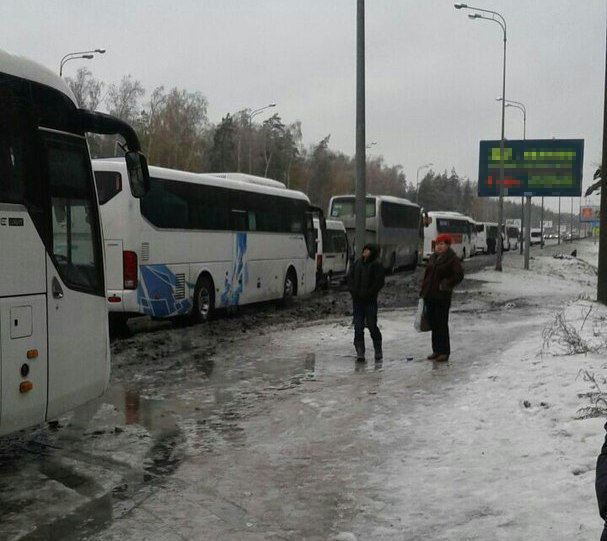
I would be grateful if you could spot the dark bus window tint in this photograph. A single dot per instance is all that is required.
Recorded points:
(239, 220)
(444, 225)
(329, 244)
(480, 228)
(208, 207)
(109, 184)
(75, 226)
(340, 242)
(396, 215)
(162, 207)
(14, 145)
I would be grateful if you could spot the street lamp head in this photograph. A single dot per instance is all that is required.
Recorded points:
(87, 56)
(474, 16)
(100, 51)
(460, 6)
(272, 105)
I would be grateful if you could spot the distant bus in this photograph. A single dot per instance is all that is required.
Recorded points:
(199, 242)
(481, 238)
(54, 347)
(392, 223)
(473, 236)
(513, 233)
(456, 225)
(332, 251)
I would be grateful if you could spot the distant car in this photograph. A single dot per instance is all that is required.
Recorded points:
(536, 236)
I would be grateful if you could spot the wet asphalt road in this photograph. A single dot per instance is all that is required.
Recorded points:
(190, 404)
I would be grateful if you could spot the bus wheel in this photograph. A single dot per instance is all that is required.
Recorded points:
(290, 287)
(392, 268)
(204, 300)
(415, 261)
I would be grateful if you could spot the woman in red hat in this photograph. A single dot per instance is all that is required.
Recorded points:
(443, 273)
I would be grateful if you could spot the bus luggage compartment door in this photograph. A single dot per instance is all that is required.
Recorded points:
(23, 362)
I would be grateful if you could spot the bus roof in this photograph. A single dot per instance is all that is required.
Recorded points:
(19, 66)
(449, 214)
(209, 179)
(387, 198)
(253, 179)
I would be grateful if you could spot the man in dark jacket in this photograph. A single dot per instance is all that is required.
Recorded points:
(601, 485)
(443, 273)
(365, 279)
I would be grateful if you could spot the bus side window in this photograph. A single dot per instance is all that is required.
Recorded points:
(109, 184)
(238, 220)
(13, 149)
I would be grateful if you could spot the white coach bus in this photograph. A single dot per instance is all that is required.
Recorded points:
(456, 225)
(54, 348)
(198, 242)
(392, 223)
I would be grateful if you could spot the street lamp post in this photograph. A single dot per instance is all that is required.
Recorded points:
(496, 18)
(525, 242)
(417, 179)
(78, 54)
(252, 114)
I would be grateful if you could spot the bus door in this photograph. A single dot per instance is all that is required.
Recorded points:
(23, 349)
(75, 288)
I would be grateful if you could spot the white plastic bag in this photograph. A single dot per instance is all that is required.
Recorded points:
(420, 323)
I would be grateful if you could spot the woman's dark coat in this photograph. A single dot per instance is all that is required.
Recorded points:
(443, 273)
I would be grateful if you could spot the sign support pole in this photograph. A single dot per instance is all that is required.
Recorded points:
(558, 238)
(522, 238)
(542, 226)
(527, 232)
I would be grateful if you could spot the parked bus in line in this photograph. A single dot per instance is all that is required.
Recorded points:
(392, 223)
(54, 347)
(332, 251)
(473, 236)
(198, 242)
(481, 238)
(457, 225)
(512, 233)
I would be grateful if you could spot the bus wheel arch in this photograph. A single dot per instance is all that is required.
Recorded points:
(290, 285)
(203, 303)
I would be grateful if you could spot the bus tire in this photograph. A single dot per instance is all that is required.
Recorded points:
(290, 287)
(392, 267)
(415, 261)
(204, 300)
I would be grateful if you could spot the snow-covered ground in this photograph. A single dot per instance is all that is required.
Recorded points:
(274, 432)
(500, 443)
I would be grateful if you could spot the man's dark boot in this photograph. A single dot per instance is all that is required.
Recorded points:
(360, 352)
(379, 355)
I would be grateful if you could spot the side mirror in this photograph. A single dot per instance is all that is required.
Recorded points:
(139, 176)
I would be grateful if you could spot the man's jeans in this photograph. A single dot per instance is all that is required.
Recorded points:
(365, 313)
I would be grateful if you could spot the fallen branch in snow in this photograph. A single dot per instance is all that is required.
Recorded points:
(565, 336)
(598, 398)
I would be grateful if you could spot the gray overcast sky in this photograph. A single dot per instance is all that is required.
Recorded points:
(432, 74)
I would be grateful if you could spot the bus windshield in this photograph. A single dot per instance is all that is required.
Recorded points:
(346, 207)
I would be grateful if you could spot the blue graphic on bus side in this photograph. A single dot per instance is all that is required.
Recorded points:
(233, 287)
(156, 293)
